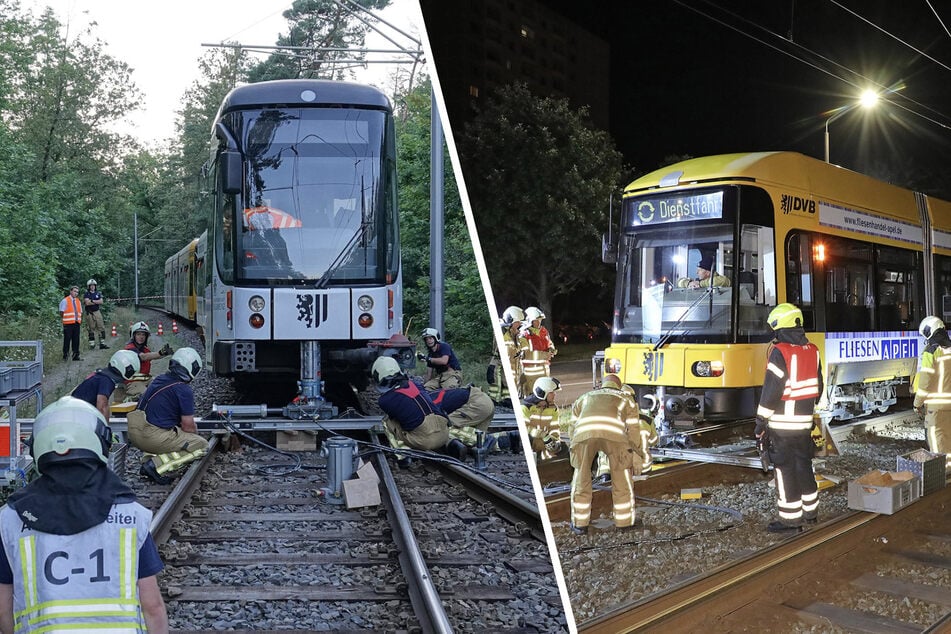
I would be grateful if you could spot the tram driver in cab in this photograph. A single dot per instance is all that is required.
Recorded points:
(705, 276)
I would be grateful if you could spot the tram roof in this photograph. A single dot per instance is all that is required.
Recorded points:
(795, 171)
(290, 92)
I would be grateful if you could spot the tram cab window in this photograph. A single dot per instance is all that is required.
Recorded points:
(943, 286)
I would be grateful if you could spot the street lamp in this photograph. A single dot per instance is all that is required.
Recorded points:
(868, 100)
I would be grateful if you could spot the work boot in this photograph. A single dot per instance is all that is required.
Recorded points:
(404, 463)
(76, 357)
(92, 344)
(102, 345)
(515, 442)
(812, 521)
(148, 469)
(579, 530)
(783, 528)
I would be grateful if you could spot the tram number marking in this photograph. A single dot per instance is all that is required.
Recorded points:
(312, 309)
(790, 203)
(653, 365)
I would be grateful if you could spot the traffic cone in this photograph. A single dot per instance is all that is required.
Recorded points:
(160, 331)
(114, 330)
(174, 327)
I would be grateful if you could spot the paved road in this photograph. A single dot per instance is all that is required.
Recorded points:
(575, 378)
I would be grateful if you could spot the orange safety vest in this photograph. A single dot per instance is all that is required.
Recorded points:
(74, 311)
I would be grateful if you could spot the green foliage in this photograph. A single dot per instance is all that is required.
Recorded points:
(468, 326)
(539, 178)
(318, 24)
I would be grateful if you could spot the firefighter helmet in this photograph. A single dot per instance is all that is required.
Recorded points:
(784, 316)
(187, 359)
(532, 313)
(431, 332)
(126, 363)
(384, 368)
(69, 430)
(544, 386)
(929, 325)
(91, 282)
(511, 315)
(140, 326)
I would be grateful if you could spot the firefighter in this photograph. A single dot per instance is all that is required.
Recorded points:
(139, 343)
(541, 418)
(934, 385)
(77, 554)
(92, 305)
(536, 361)
(97, 388)
(444, 371)
(605, 419)
(784, 418)
(163, 424)
(510, 323)
(470, 410)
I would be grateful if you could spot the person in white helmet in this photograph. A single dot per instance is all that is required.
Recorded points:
(933, 383)
(536, 361)
(92, 304)
(540, 414)
(163, 424)
(97, 388)
(77, 554)
(139, 343)
(515, 346)
(444, 371)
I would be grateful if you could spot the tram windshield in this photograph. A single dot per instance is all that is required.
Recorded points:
(319, 201)
(689, 282)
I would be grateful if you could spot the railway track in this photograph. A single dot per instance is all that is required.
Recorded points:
(854, 573)
(241, 548)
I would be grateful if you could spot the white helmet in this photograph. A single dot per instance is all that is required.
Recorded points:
(126, 362)
(385, 367)
(140, 326)
(91, 282)
(544, 386)
(189, 360)
(431, 332)
(511, 315)
(70, 429)
(929, 325)
(532, 313)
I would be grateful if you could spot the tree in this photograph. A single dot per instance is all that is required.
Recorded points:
(467, 323)
(539, 178)
(316, 25)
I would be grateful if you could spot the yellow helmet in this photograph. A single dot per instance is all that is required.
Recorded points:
(784, 316)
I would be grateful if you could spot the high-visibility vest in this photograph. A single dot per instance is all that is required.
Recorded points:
(802, 366)
(85, 582)
(74, 311)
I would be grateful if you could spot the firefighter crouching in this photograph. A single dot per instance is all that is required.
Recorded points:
(541, 418)
(933, 392)
(791, 389)
(608, 420)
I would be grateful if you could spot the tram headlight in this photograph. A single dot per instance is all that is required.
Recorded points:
(365, 320)
(256, 303)
(674, 406)
(256, 320)
(707, 369)
(612, 366)
(693, 405)
(365, 303)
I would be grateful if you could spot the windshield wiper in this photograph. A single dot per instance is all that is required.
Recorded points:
(670, 331)
(357, 237)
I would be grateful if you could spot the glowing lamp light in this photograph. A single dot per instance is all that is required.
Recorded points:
(819, 252)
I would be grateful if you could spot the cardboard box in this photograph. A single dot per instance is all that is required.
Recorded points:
(929, 467)
(884, 491)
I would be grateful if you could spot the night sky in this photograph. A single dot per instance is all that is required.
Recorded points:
(684, 83)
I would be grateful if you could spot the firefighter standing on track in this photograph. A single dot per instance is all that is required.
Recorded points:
(510, 323)
(933, 392)
(77, 554)
(536, 361)
(606, 419)
(791, 389)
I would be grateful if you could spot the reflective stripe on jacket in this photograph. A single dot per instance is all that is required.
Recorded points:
(605, 413)
(934, 380)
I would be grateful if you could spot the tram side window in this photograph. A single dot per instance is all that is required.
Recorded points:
(899, 289)
(800, 254)
(942, 288)
(849, 292)
(224, 232)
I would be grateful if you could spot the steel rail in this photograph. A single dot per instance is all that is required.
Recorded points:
(171, 508)
(427, 604)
